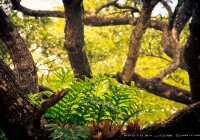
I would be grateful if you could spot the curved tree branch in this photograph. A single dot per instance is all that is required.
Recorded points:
(172, 18)
(51, 101)
(36, 13)
(162, 89)
(159, 88)
(166, 5)
(111, 21)
(43, 88)
(134, 45)
(132, 9)
(170, 42)
(171, 45)
(88, 20)
(183, 16)
(105, 5)
(186, 121)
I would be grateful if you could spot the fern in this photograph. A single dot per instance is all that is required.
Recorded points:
(73, 133)
(92, 100)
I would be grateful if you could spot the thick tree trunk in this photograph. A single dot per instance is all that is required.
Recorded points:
(192, 52)
(185, 122)
(24, 66)
(74, 38)
(16, 112)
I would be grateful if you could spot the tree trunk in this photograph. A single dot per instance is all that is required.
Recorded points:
(74, 38)
(184, 122)
(135, 39)
(192, 52)
(16, 112)
(24, 66)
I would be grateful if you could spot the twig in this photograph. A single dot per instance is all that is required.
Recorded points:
(43, 88)
(165, 4)
(115, 4)
(51, 101)
(104, 6)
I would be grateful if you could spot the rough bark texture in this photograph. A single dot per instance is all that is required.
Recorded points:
(16, 112)
(170, 44)
(192, 52)
(24, 66)
(157, 87)
(134, 46)
(183, 16)
(186, 121)
(74, 38)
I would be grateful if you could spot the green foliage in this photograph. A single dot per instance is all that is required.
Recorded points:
(94, 99)
(107, 47)
(73, 133)
(2, 135)
(88, 101)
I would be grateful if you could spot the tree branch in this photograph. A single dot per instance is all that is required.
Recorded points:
(185, 121)
(115, 4)
(132, 9)
(36, 13)
(88, 20)
(172, 18)
(170, 42)
(166, 5)
(51, 101)
(105, 5)
(110, 21)
(43, 88)
(174, 64)
(135, 39)
(162, 89)
(159, 88)
(183, 16)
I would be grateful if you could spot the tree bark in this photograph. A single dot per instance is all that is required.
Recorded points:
(24, 66)
(74, 38)
(16, 112)
(134, 45)
(159, 88)
(192, 52)
(186, 122)
(183, 16)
